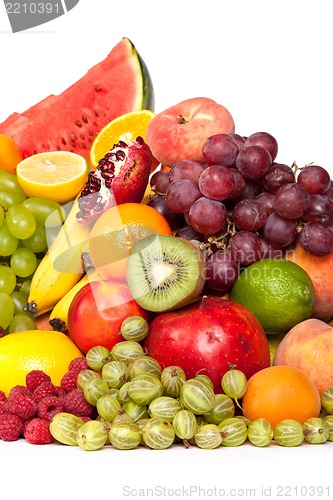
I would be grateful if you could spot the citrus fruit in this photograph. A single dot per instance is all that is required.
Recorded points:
(278, 292)
(10, 154)
(277, 393)
(115, 232)
(58, 175)
(125, 128)
(21, 352)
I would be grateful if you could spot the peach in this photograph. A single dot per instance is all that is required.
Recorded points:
(178, 133)
(320, 270)
(308, 346)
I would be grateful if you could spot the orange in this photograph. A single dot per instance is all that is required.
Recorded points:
(22, 352)
(115, 232)
(10, 154)
(281, 392)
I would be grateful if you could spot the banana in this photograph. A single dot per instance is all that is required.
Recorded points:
(59, 314)
(61, 267)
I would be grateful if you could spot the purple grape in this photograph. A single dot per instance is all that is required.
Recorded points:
(207, 216)
(187, 169)
(270, 251)
(238, 185)
(220, 149)
(245, 247)
(316, 238)
(239, 139)
(159, 181)
(221, 271)
(266, 200)
(279, 231)
(181, 195)
(320, 209)
(278, 175)
(216, 182)
(189, 233)
(251, 189)
(159, 203)
(253, 162)
(329, 191)
(291, 201)
(265, 140)
(249, 215)
(315, 179)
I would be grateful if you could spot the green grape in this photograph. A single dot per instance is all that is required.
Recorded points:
(93, 389)
(329, 420)
(9, 182)
(260, 432)
(125, 435)
(135, 411)
(115, 373)
(197, 396)
(7, 279)
(164, 407)
(326, 399)
(122, 393)
(134, 328)
(36, 242)
(9, 198)
(7, 309)
(2, 215)
(64, 427)
(223, 408)
(85, 375)
(108, 407)
(127, 351)
(143, 365)
(8, 242)
(92, 435)
(185, 425)
(158, 434)
(144, 388)
(316, 430)
(234, 384)
(172, 378)
(25, 287)
(20, 299)
(289, 433)
(233, 431)
(97, 357)
(21, 322)
(23, 262)
(46, 210)
(208, 437)
(20, 222)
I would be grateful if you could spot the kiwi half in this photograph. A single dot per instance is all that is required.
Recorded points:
(165, 272)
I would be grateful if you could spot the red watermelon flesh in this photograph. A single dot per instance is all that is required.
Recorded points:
(71, 120)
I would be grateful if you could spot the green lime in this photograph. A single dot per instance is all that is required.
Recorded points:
(278, 292)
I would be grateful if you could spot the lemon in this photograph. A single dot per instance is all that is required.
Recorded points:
(46, 350)
(125, 128)
(56, 175)
(278, 292)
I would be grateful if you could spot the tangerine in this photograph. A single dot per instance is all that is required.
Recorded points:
(10, 154)
(117, 230)
(281, 392)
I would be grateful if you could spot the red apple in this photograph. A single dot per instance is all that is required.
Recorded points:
(97, 311)
(212, 335)
(178, 133)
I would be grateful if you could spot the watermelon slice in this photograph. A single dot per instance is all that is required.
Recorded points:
(71, 120)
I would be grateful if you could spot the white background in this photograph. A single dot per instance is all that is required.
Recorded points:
(270, 64)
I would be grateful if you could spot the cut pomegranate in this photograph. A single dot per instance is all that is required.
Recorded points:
(120, 177)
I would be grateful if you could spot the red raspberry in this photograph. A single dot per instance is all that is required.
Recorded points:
(19, 389)
(43, 390)
(76, 404)
(59, 391)
(69, 380)
(10, 427)
(37, 431)
(3, 407)
(36, 377)
(78, 364)
(3, 396)
(50, 406)
(22, 405)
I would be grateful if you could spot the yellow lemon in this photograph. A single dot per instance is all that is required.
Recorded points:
(56, 175)
(22, 352)
(125, 128)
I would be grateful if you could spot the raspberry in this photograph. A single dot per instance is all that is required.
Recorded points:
(36, 377)
(19, 389)
(69, 380)
(3, 396)
(37, 431)
(50, 406)
(76, 404)
(59, 391)
(43, 390)
(3, 407)
(10, 427)
(22, 405)
(78, 364)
